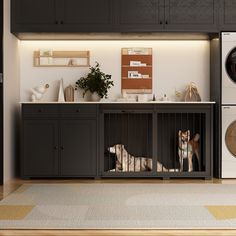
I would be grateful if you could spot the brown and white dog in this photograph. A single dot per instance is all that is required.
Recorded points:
(128, 163)
(187, 148)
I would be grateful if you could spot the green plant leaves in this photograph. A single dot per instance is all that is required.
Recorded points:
(96, 81)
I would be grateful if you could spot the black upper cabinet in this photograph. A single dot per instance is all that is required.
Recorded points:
(86, 16)
(228, 15)
(139, 15)
(78, 144)
(166, 15)
(120, 15)
(40, 148)
(191, 15)
(61, 15)
(32, 15)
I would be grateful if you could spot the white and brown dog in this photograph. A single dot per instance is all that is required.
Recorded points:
(187, 148)
(128, 163)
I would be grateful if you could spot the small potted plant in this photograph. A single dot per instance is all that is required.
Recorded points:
(95, 82)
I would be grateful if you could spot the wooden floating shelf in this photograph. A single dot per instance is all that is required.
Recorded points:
(66, 58)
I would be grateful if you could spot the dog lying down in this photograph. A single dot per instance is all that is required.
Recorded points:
(128, 163)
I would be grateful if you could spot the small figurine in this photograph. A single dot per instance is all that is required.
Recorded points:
(165, 98)
(153, 97)
(38, 92)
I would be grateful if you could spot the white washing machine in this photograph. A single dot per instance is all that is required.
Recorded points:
(228, 141)
(228, 68)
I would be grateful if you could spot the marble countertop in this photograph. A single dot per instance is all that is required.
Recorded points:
(114, 102)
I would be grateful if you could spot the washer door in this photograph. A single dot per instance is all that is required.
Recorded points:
(231, 65)
(230, 138)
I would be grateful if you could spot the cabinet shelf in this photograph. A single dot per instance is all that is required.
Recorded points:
(150, 78)
(137, 84)
(127, 66)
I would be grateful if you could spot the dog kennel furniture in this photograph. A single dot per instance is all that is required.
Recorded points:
(114, 140)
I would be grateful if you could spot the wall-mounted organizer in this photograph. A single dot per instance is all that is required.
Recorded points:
(136, 70)
(61, 58)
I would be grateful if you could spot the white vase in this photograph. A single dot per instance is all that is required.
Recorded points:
(61, 96)
(87, 96)
(95, 97)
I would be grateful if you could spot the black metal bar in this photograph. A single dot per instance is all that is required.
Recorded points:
(117, 155)
(135, 136)
(147, 138)
(140, 159)
(109, 143)
(188, 138)
(155, 142)
(181, 153)
(168, 141)
(200, 141)
(162, 120)
(128, 155)
(174, 142)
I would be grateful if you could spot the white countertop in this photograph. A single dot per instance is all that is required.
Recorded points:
(113, 102)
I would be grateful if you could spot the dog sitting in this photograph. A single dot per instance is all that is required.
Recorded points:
(128, 163)
(187, 148)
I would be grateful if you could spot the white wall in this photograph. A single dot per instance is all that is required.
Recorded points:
(175, 64)
(11, 96)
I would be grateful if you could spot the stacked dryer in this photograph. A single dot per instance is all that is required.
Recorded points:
(228, 105)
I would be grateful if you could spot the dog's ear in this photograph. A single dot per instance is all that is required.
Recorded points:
(188, 132)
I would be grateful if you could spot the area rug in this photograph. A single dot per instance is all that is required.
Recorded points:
(120, 206)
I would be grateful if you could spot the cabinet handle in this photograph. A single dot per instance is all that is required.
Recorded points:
(62, 148)
(160, 22)
(166, 22)
(55, 148)
(62, 22)
(123, 111)
(40, 110)
(56, 22)
(77, 110)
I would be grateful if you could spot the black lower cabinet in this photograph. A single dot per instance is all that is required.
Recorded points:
(78, 147)
(58, 141)
(40, 148)
(131, 140)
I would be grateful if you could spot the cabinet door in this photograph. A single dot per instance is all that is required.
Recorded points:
(228, 15)
(85, 15)
(78, 147)
(33, 15)
(191, 15)
(40, 148)
(139, 15)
